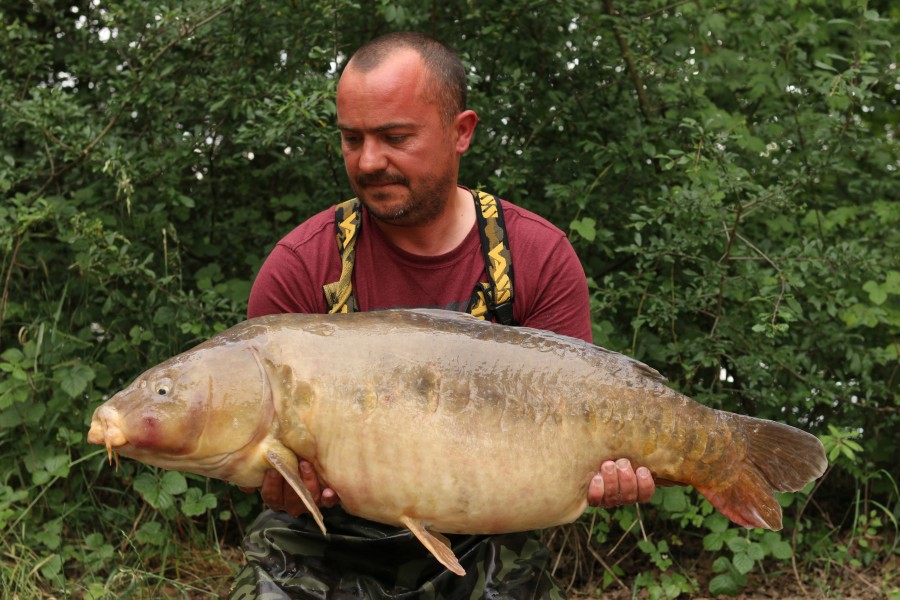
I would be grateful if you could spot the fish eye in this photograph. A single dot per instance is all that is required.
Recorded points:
(163, 388)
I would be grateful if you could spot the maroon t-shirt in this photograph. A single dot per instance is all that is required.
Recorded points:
(550, 289)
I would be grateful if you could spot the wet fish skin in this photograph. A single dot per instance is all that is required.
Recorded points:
(442, 423)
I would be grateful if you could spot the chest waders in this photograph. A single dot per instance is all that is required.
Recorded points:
(491, 299)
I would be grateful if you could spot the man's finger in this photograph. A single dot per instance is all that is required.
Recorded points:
(272, 490)
(329, 498)
(646, 487)
(310, 480)
(293, 505)
(595, 490)
(611, 493)
(628, 484)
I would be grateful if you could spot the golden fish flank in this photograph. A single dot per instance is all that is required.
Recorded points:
(395, 408)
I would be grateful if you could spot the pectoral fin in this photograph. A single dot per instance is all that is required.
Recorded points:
(436, 543)
(284, 461)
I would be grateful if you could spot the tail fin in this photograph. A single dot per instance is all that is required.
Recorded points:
(779, 458)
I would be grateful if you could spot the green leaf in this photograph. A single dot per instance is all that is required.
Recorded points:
(713, 542)
(716, 523)
(152, 491)
(776, 546)
(871, 15)
(151, 533)
(674, 499)
(13, 355)
(195, 502)
(145, 483)
(586, 228)
(74, 380)
(51, 569)
(892, 283)
(738, 544)
(57, 465)
(723, 584)
(173, 483)
(782, 550)
(743, 563)
(165, 315)
(51, 535)
(756, 552)
(95, 591)
(877, 294)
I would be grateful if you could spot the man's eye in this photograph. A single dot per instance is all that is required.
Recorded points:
(397, 139)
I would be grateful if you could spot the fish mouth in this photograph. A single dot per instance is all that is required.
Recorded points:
(105, 431)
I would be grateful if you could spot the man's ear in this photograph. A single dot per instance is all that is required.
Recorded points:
(464, 126)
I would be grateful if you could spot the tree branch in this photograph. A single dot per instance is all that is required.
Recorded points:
(629, 62)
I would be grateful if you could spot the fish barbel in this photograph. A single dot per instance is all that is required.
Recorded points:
(442, 423)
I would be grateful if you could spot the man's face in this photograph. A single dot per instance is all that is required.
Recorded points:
(401, 157)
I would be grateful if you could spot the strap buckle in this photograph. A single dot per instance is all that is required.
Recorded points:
(503, 313)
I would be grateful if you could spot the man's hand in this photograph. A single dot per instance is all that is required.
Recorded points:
(617, 483)
(279, 495)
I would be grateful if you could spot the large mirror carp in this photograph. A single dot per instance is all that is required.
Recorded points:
(442, 423)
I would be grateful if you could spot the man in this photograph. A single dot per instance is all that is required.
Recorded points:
(401, 111)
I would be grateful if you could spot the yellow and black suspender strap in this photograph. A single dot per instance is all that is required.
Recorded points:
(347, 220)
(491, 299)
(495, 297)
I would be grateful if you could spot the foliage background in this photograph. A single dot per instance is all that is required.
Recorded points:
(727, 172)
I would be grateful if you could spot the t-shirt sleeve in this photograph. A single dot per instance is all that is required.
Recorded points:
(551, 290)
(283, 285)
(292, 276)
(562, 302)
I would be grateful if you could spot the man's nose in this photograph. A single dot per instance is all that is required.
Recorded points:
(372, 157)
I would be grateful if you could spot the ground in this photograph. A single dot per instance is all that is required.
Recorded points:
(581, 571)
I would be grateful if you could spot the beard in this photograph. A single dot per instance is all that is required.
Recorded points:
(420, 204)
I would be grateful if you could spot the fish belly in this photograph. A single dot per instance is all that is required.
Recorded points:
(474, 472)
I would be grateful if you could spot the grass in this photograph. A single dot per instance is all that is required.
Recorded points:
(112, 544)
(190, 572)
(197, 571)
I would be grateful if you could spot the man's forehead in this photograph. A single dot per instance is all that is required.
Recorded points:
(401, 71)
(393, 94)
(397, 57)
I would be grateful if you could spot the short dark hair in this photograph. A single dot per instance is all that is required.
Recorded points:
(446, 70)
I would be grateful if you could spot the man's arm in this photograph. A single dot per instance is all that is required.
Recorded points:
(554, 293)
(283, 285)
